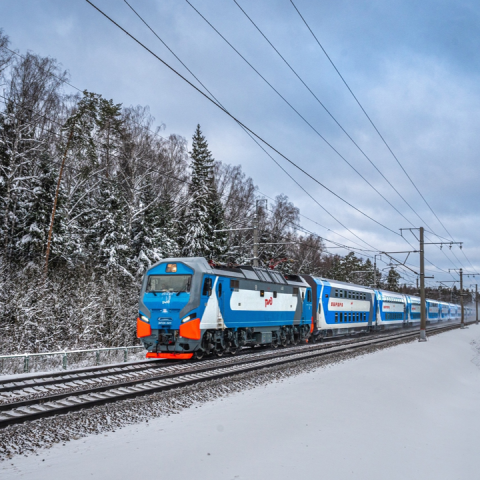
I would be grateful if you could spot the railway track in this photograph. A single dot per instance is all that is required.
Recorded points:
(30, 398)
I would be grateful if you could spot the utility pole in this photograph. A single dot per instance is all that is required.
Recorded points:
(255, 231)
(375, 269)
(476, 302)
(462, 307)
(255, 237)
(461, 299)
(476, 295)
(423, 306)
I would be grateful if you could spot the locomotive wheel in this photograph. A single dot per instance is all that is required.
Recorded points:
(199, 354)
(218, 352)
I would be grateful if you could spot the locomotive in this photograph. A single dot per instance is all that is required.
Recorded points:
(190, 308)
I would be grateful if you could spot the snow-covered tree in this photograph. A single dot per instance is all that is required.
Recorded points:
(203, 213)
(392, 280)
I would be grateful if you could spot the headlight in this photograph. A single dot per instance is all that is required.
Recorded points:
(144, 318)
(190, 317)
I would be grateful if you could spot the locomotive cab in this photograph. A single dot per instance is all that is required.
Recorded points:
(166, 310)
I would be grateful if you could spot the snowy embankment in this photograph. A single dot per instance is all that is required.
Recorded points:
(405, 412)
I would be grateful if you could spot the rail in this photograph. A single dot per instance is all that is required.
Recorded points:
(27, 356)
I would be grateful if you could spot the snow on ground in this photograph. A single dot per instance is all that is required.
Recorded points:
(408, 412)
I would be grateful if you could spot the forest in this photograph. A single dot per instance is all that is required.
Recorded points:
(92, 194)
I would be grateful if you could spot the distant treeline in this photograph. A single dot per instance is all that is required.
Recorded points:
(127, 197)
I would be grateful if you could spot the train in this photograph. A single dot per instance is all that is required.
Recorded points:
(192, 308)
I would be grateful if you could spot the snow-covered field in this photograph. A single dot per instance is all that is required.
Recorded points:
(408, 412)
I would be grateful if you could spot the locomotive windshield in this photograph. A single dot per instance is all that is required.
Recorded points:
(169, 283)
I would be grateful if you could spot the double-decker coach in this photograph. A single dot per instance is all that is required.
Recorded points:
(340, 308)
(413, 309)
(432, 310)
(391, 309)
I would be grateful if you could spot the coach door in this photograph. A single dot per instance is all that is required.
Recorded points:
(221, 294)
(307, 306)
(209, 300)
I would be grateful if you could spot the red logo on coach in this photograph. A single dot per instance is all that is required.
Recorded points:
(268, 301)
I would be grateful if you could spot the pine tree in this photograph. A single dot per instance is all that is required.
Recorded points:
(108, 236)
(202, 214)
(392, 280)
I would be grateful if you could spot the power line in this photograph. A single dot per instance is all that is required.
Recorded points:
(374, 126)
(293, 108)
(248, 133)
(234, 118)
(300, 115)
(338, 124)
(330, 114)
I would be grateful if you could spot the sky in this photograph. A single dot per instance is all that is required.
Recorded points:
(413, 66)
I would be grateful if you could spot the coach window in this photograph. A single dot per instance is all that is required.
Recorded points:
(262, 293)
(309, 295)
(219, 289)
(320, 305)
(336, 317)
(349, 294)
(336, 292)
(274, 294)
(207, 287)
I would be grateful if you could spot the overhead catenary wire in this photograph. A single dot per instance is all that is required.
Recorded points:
(376, 128)
(334, 119)
(239, 122)
(250, 135)
(313, 128)
(338, 124)
(210, 93)
(155, 133)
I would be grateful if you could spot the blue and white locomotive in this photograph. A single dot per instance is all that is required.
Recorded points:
(191, 308)
(188, 307)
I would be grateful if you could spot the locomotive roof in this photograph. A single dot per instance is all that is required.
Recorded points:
(260, 274)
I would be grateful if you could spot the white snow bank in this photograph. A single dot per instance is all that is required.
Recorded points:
(409, 412)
